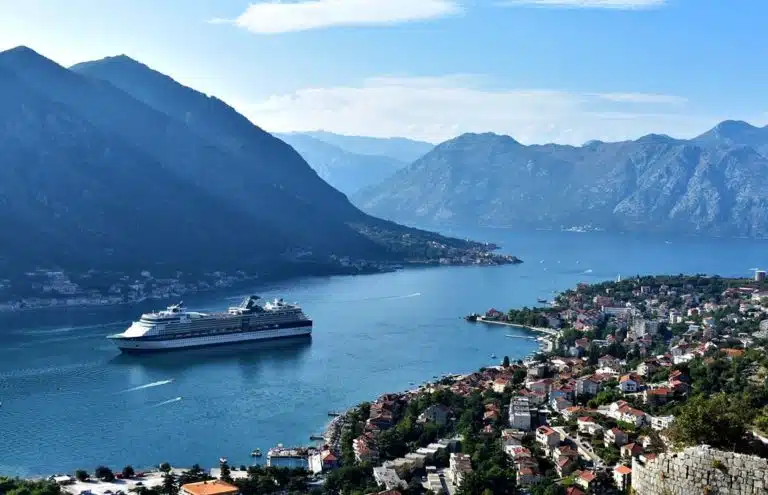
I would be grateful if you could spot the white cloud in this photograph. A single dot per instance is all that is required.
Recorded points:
(642, 98)
(279, 17)
(588, 4)
(439, 108)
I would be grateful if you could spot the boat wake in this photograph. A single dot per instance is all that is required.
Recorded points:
(148, 385)
(166, 402)
(587, 271)
(382, 298)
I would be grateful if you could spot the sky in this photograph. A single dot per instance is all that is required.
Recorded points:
(564, 71)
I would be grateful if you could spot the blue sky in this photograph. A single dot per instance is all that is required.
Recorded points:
(539, 70)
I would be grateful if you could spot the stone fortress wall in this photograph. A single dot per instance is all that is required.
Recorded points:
(700, 470)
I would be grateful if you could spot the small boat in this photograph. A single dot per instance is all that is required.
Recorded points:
(316, 438)
(334, 414)
(541, 300)
(493, 356)
(222, 460)
(257, 453)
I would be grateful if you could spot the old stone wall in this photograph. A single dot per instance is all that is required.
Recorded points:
(700, 470)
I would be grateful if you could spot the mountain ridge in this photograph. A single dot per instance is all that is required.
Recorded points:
(115, 167)
(344, 170)
(712, 184)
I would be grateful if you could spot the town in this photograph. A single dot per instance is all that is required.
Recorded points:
(51, 288)
(647, 385)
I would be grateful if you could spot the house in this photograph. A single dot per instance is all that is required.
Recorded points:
(615, 436)
(622, 476)
(520, 416)
(542, 386)
(629, 384)
(565, 465)
(212, 487)
(657, 396)
(500, 384)
(648, 367)
(659, 423)
(560, 404)
(458, 466)
(586, 479)
(585, 424)
(547, 437)
(587, 386)
(527, 473)
(365, 449)
(323, 461)
(631, 450)
(572, 412)
(574, 490)
(437, 414)
(388, 478)
(632, 416)
(609, 361)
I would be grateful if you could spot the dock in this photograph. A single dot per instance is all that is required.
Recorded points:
(548, 331)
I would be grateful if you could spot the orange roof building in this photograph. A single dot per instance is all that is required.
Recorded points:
(213, 487)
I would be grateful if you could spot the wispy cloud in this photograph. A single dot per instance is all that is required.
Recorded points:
(274, 17)
(643, 98)
(587, 4)
(438, 108)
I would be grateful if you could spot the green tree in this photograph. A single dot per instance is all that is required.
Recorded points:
(505, 362)
(169, 486)
(81, 475)
(720, 421)
(128, 472)
(165, 467)
(104, 473)
(226, 473)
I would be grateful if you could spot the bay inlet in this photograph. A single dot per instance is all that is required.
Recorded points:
(70, 400)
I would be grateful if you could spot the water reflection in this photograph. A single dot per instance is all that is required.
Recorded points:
(284, 351)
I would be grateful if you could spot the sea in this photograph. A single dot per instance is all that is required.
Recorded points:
(70, 400)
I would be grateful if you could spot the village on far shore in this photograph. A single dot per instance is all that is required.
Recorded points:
(632, 375)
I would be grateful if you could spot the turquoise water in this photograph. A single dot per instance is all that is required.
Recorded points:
(70, 400)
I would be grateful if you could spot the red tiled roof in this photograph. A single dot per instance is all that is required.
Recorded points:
(623, 470)
(587, 476)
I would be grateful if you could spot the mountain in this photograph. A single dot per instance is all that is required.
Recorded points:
(400, 149)
(111, 165)
(348, 172)
(715, 184)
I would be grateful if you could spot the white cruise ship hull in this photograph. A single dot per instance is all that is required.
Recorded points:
(131, 345)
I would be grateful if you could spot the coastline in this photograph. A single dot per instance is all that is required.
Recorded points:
(106, 301)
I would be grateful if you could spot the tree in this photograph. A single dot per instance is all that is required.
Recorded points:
(165, 467)
(128, 472)
(720, 421)
(226, 474)
(81, 475)
(169, 486)
(104, 473)
(505, 363)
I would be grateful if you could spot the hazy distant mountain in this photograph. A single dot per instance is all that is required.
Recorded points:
(715, 184)
(348, 172)
(401, 149)
(114, 165)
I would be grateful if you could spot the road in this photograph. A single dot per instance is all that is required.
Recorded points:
(584, 448)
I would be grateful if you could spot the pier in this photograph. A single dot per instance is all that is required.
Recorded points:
(548, 331)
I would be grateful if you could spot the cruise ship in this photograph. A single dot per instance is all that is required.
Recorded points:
(177, 328)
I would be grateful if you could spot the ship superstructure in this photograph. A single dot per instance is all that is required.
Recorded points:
(177, 328)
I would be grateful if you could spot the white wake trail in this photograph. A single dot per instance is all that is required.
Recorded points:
(149, 385)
